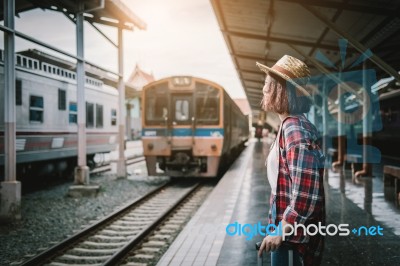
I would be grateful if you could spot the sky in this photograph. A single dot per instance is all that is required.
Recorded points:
(182, 38)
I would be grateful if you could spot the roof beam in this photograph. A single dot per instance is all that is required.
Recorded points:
(326, 30)
(254, 94)
(257, 95)
(254, 102)
(356, 44)
(255, 99)
(253, 89)
(251, 71)
(254, 80)
(383, 11)
(277, 39)
(252, 57)
(108, 23)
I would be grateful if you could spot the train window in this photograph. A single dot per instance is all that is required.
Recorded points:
(156, 104)
(113, 117)
(99, 115)
(207, 104)
(73, 113)
(36, 107)
(89, 114)
(182, 110)
(156, 109)
(18, 92)
(62, 99)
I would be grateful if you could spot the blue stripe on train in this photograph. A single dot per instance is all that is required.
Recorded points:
(184, 132)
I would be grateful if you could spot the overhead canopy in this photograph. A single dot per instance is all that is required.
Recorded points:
(107, 12)
(115, 13)
(265, 30)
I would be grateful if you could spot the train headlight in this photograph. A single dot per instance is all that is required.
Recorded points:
(213, 147)
(150, 146)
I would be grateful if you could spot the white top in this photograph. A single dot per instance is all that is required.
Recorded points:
(272, 163)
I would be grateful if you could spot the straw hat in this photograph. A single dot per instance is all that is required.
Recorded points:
(291, 69)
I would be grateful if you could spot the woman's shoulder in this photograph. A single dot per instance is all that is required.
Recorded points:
(298, 128)
(296, 122)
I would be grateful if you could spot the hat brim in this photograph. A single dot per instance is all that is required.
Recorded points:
(266, 69)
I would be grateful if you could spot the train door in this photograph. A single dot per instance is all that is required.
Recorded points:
(182, 113)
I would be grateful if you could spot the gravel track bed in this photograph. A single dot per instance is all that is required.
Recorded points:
(49, 216)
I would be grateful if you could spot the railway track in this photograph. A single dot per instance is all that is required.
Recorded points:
(107, 167)
(111, 240)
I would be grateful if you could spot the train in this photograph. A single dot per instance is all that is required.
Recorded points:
(46, 115)
(191, 127)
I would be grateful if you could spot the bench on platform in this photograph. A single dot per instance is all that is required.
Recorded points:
(391, 181)
(332, 155)
(352, 161)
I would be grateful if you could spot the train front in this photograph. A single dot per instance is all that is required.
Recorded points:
(182, 127)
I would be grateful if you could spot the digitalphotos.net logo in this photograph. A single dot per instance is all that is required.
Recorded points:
(354, 103)
(252, 230)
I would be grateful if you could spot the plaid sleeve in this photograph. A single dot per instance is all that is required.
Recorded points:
(302, 158)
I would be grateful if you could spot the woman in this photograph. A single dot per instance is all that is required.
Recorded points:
(294, 166)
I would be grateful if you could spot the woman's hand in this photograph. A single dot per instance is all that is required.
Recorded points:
(270, 243)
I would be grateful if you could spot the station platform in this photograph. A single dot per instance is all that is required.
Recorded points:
(242, 196)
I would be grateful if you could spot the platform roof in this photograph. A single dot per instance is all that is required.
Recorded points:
(265, 30)
(115, 13)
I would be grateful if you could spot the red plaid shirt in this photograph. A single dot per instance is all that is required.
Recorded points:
(300, 188)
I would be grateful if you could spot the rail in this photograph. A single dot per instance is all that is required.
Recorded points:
(156, 197)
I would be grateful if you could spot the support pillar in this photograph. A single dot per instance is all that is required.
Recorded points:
(121, 163)
(367, 128)
(341, 131)
(82, 170)
(10, 188)
(128, 121)
(325, 128)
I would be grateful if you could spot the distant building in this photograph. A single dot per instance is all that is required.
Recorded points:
(137, 80)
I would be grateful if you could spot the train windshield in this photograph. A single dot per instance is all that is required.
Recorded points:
(156, 109)
(207, 104)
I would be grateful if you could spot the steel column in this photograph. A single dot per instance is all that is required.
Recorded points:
(121, 164)
(10, 189)
(81, 171)
(128, 121)
(325, 113)
(341, 129)
(9, 93)
(367, 128)
(325, 128)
